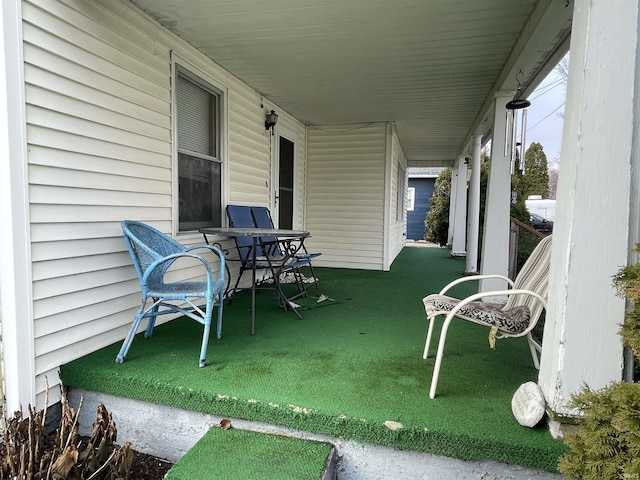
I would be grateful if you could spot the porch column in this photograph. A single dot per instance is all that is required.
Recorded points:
(459, 176)
(592, 232)
(495, 245)
(473, 230)
(16, 299)
(452, 206)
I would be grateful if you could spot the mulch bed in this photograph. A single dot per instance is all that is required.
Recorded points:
(148, 467)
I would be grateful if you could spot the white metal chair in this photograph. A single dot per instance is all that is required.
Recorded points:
(526, 298)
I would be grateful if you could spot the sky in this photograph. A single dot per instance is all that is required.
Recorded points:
(545, 117)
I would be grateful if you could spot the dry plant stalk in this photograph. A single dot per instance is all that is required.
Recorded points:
(28, 452)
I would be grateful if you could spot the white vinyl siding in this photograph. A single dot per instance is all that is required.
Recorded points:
(398, 214)
(99, 133)
(346, 195)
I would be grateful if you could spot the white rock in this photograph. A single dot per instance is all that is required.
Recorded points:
(528, 404)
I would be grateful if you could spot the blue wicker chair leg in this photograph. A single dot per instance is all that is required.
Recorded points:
(132, 333)
(152, 320)
(205, 334)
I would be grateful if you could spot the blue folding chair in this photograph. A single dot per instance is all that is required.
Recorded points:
(269, 254)
(153, 253)
(240, 216)
(262, 219)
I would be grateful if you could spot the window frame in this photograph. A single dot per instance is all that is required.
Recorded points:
(411, 199)
(211, 84)
(401, 192)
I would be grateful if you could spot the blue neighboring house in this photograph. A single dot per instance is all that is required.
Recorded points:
(421, 185)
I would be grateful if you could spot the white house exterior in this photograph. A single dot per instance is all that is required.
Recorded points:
(98, 87)
(88, 125)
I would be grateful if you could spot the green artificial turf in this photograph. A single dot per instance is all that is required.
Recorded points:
(233, 454)
(353, 369)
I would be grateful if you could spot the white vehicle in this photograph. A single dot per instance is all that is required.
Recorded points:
(544, 207)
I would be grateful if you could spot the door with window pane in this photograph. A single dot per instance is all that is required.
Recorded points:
(285, 183)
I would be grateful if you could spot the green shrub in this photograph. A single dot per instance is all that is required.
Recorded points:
(607, 443)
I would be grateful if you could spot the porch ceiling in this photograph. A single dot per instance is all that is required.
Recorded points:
(429, 66)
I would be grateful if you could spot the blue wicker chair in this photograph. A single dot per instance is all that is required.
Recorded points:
(153, 253)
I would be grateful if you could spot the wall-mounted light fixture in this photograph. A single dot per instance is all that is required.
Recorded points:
(513, 121)
(271, 120)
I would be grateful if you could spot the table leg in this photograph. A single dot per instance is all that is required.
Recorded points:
(253, 286)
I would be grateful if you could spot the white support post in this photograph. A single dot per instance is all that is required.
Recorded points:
(495, 245)
(591, 232)
(452, 207)
(459, 176)
(16, 299)
(473, 229)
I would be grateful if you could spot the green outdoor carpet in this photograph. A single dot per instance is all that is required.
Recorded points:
(233, 454)
(353, 370)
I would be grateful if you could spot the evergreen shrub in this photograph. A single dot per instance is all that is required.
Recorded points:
(607, 443)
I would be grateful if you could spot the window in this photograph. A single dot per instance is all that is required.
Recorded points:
(400, 191)
(199, 158)
(412, 199)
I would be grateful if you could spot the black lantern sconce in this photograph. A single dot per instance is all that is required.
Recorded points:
(271, 120)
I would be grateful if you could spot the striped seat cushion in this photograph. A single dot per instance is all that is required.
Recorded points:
(514, 320)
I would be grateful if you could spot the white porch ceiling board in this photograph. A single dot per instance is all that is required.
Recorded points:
(426, 65)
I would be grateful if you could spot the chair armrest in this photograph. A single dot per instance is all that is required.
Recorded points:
(161, 262)
(218, 251)
(475, 277)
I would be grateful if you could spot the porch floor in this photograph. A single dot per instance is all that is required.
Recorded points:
(352, 370)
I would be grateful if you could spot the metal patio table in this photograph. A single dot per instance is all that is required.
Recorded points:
(256, 234)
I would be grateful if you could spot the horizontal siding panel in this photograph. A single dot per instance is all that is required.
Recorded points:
(70, 350)
(107, 28)
(67, 141)
(154, 85)
(58, 195)
(75, 162)
(92, 329)
(54, 393)
(118, 20)
(70, 73)
(96, 114)
(248, 166)
(84, 214)
(81, 298)
(108, 309)
(76, 247)
(90, 95)
(65, 284)
(59, 121)
(353, 247)
(61, 272)
(247, 154)
(81, 32)
(355, 229)
(240, 139)
(44, 232)
(63, 179)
